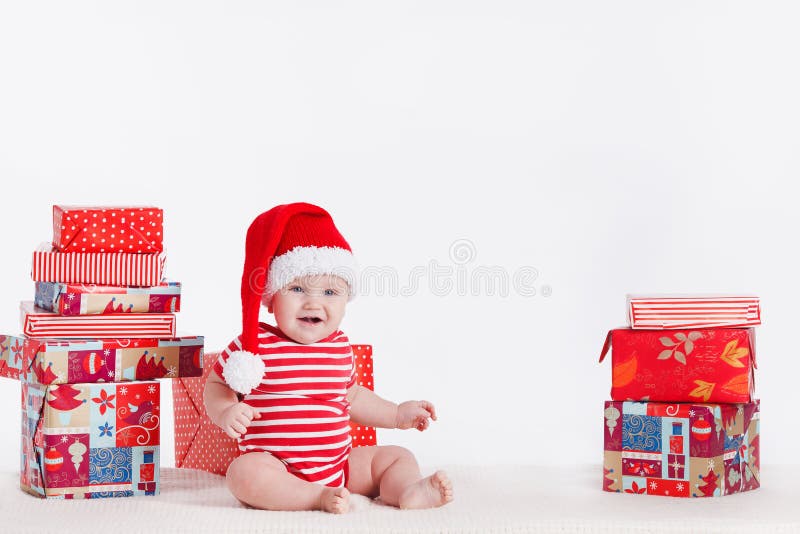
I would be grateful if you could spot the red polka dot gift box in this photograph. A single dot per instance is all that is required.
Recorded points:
(362, 354)
(136, 229)
(200, 444)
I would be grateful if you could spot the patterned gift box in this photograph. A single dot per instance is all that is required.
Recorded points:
(37, 322)
(693, 311)
(83, 299)
(200, 444)
(681, 450)
(11, 356)
(703, 365)
(48, 361)
(90, 440)
(135, 229)
(102, 268)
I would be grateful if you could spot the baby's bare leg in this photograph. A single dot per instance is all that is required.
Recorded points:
(262, 481)
(392, 472)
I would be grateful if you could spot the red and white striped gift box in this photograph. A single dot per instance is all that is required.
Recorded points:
(40, 323)
(693, 311)
(102, 268)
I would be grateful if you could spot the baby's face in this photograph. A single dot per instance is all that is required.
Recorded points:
(311, 307)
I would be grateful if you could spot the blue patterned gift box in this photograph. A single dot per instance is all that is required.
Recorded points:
(90, 440)
(681, 450)
(89, 299)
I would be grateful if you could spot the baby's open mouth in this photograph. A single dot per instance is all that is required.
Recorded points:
(311, 320)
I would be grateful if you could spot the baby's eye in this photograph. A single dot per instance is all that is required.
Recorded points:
(296, 289)
(331, 293)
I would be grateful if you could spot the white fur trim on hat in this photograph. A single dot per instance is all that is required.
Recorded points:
(303, 261)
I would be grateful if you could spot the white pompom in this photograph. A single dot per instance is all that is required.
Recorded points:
(243, 371)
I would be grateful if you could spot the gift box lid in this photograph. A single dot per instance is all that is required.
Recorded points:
(675, 311)
(40, 323)
(608, 342)
(102, 268)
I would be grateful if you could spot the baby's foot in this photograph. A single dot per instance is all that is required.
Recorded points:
(436, 490)
(335, 500)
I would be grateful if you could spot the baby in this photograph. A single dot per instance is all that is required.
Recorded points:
(292, 419)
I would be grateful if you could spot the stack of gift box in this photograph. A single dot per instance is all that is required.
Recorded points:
(100, 331)
(683, 420)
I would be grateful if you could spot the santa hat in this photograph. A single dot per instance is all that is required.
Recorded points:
(283, 243)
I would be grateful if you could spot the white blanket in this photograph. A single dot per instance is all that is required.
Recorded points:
(487, 499)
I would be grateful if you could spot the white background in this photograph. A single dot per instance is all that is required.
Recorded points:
(614, 146)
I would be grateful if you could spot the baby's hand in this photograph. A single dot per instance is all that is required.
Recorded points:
(415, 414)
(236, 418)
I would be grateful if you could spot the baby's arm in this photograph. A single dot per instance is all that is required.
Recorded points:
(224, 409)
(367, 408)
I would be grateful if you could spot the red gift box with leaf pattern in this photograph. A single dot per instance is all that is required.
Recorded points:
(694, 365)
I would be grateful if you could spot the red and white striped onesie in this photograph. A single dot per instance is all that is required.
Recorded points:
(302, 402)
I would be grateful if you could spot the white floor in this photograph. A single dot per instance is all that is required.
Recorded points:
(488, 499)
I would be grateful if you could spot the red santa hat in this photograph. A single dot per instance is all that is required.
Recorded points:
(283, 243)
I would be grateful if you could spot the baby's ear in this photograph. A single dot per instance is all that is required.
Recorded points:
(267, 304)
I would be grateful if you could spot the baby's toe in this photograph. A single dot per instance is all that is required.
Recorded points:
(336, 501)
(442, 479)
